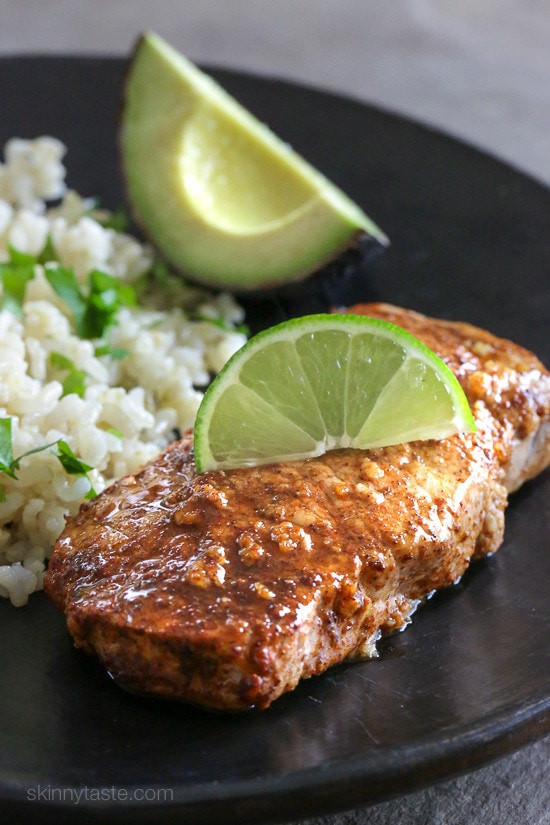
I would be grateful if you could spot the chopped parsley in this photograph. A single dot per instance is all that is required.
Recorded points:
(159, 277)
(10, 465)
(115, 352)
(95, 312)
(75, 379)
(73, 465)
(15, 274)
(220, 322)
(48, 254)
(160, 273)
(115, 432)
(117, 220)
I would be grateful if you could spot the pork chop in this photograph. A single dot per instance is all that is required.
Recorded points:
(225, 589)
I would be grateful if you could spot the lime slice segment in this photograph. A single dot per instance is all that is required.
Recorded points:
(322, 382)
(222, 197)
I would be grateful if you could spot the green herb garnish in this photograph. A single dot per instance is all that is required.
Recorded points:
(15, 274)
(159, 276)
(95, 312)
(73, 465)
(6, 448)
(75, 380)
(63, 282)
(115, 352)
(9, 465)
(48, 254)
(220, 322)
(117, 220)
(160, 273)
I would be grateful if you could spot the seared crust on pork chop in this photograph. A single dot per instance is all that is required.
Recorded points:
(503, 377)
(227, 588)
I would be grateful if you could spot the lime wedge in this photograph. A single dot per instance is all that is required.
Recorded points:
(224, 199)
(323, 382)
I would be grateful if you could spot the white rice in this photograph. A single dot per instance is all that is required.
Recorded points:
(132, 406)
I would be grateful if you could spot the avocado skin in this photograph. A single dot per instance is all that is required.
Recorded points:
(339, 282)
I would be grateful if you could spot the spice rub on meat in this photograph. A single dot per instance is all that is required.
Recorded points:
(227, 588)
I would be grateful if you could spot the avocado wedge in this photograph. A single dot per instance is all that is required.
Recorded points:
(225, 201)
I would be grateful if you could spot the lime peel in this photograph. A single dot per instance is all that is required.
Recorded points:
(324, 382)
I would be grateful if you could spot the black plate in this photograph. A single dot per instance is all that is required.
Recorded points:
(470, 680)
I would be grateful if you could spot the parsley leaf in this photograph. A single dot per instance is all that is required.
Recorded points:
(15, 274)
(115, 352)
(63, 282)
(158, 277)
(95, 312)
(60, 361)
(220, 322)
(107, 295)
(160, 273)
(75, 380)
(48, 254)
(6, 447)
(117, 220)
(73, 465)
(18, 258)
(69, 461)
(9, 464)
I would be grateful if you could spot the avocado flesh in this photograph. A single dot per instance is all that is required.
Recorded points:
(224, 199)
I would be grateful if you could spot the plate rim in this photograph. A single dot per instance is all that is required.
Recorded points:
(510, 728)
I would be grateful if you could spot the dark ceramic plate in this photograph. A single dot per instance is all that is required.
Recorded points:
(470, 680)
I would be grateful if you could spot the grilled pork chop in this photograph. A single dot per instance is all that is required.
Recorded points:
(225, 589)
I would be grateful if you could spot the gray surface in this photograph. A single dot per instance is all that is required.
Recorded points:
(479, 69)
(514, 792)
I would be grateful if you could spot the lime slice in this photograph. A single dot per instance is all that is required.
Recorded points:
(323, 382)
(223, 198)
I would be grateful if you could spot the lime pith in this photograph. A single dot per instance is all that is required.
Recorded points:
(324, 382)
